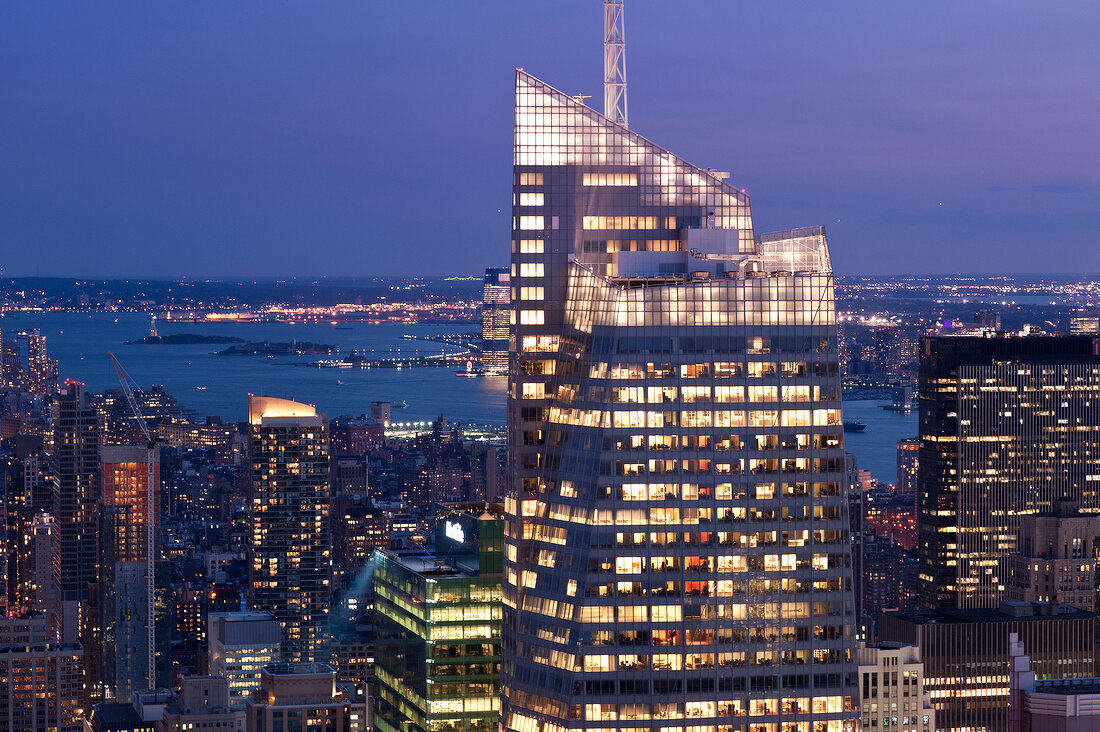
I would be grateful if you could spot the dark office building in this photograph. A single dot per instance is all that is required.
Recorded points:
(966, 655)
(1008, 425)
(76, 555)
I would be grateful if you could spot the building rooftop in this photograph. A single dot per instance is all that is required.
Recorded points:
(293, 669)
(427, 563)
(1007, 612)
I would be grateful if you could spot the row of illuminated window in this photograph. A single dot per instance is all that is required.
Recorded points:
(465, 612)
(720, 442)
(609, 179)
(718, 708)
(663, 394)
(627, 223)
(694, 418)
(716, 369)
(630, 245)
(609, 614)
(468, 704)
(598, 663)
(722, 563)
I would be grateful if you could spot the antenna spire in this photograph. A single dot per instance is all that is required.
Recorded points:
(614, 62)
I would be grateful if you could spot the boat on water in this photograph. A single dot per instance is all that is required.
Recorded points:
(850, 425)
(399, 405)
(470, 370)
(339, 383)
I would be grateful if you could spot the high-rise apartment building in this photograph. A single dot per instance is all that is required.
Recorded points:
(677, 551)
(240, 644)
(76, 558)
(289, 559)
(1008, 426)
(125, 567)
(41, 369)
(496, 308)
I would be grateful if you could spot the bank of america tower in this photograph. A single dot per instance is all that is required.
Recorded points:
(677, 550)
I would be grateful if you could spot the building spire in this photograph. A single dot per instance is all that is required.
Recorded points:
(614, 62)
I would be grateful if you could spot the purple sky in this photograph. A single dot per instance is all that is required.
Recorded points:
(232, 138)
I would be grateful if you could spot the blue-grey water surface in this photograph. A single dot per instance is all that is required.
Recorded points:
(80, 342)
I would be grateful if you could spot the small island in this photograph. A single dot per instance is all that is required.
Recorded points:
(183, 339)
(267, 348)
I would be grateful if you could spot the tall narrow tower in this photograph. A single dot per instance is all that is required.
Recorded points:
(289, 558)
(614, 62)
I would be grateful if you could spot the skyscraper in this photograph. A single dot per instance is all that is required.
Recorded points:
(124, 579)
(76, 447)
(496, 301)
(677, 550)
(1008, 425)
(289, 559)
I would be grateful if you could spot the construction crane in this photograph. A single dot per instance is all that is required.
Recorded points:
(153, 444)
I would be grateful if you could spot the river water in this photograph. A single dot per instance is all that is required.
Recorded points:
(81, 343)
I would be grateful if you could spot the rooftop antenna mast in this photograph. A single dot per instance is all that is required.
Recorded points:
(614, 62)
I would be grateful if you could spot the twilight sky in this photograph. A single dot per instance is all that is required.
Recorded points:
(362, 137)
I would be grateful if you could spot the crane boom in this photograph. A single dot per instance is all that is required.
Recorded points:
(127, 383)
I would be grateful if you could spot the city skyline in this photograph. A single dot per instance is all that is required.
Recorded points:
(193, 145)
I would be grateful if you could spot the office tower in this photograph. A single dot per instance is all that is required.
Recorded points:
(41, 686)
(125, 567)
(289, 562)
(678, 546)
(76, 448)
(1008, 425)
(966, 655)
(1055, 558)
(892, 693)
(437, 625)
(1084, 325)
(304, 697)
(240, 644)
(496, 307)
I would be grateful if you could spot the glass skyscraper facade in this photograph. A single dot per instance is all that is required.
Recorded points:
(677, 541)
(1009, 425)
(496, 300)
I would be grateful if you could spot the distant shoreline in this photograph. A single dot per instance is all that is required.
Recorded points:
(183, 339)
